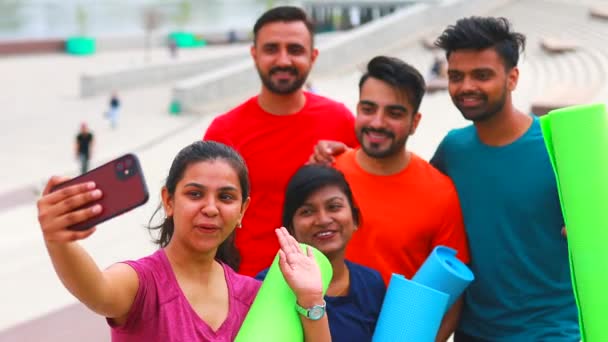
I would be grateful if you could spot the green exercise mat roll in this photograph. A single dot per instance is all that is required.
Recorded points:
(577, 141)
(272, 316)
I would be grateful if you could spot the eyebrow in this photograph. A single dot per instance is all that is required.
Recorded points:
(369, 103)
(288, 44)
(474, 70)
(200, 186)
(335, 198)
(390, 107)
(483, 69)
(397, 107)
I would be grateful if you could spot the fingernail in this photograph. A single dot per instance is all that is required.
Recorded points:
(91, 185)
(96, 209)
(96, 193)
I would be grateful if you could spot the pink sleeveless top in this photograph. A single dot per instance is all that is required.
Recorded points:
(161, 312)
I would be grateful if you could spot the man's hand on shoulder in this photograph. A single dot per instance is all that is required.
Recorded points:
(325, 152)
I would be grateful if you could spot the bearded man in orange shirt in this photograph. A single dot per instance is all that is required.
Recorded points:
(407, 206)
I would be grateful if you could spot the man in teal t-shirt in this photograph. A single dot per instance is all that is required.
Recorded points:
(508, 193)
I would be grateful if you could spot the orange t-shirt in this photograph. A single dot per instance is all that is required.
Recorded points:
(403, 216)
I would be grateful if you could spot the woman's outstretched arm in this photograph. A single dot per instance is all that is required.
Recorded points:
(109, 293)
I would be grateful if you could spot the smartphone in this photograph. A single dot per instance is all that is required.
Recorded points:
(123, 188)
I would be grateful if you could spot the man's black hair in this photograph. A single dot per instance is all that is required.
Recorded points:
(399, 75)
(479, 33)
(283, 14)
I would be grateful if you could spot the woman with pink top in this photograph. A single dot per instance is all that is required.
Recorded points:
(188, 289)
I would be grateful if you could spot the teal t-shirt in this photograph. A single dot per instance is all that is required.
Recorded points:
(508, 194)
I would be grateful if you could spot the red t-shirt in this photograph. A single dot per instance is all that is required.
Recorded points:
(274, 147)
(403, 216)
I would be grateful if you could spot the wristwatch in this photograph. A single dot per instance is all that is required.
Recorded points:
(316, 312)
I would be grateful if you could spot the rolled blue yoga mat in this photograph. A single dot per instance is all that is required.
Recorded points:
(442, 271)
(410, 312)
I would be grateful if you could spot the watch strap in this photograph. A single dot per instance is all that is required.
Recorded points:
(314, 313)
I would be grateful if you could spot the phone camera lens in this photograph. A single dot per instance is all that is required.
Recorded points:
(119, 166)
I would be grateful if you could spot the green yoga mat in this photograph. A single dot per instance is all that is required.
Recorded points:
(577, 141)
(272, 316)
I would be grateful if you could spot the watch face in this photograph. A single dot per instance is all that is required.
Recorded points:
(316, 312)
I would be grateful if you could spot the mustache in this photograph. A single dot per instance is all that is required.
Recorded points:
(377, 131)
(472, 93)
(290, 70)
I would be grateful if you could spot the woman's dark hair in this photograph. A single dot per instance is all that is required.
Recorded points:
(200, 151)
(309, 179)
(399, 75)
(479, 33)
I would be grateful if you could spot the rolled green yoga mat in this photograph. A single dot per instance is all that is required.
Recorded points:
(272, 316)
(577, 141)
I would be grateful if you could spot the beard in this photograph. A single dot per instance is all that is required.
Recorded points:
(373, 149)
(485, 111)
(283, 87)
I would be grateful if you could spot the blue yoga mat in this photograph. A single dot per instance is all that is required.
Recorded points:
(410, 312)
(442, 271)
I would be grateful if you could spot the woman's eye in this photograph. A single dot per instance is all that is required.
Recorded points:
(226, 197)
(305, 212)
(335, 207)
(194, 194)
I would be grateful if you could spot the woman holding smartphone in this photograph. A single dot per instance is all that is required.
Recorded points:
(320, 211)
(187, 290)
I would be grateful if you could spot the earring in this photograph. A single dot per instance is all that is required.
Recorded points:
(240, 225)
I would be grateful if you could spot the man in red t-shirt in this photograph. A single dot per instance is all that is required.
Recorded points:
(276, 131)
(407, 206)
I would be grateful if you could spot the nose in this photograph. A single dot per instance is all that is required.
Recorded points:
(377, 120)
(467, 85)
(283, 58)
(209, 207)
(323, 218)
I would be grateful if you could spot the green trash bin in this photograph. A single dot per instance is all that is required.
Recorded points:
(175, 107)
(80, 45)
(187, 39)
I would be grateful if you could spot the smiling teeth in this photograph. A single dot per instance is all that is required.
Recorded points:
(324, 234)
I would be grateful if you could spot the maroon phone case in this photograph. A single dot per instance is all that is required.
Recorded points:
(122, 184)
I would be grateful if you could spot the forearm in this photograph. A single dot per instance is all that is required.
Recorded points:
(80, 275)
(314, 331)
(450, 322)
